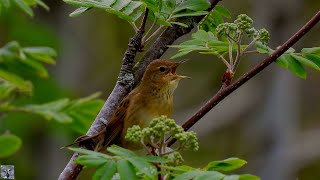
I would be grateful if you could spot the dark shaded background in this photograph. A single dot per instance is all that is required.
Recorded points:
(272, 121)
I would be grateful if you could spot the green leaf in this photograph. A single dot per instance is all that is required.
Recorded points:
(9, 144)
(143, 167)
(43, 5)
(296, 67)
(178, 23)
(223, 11)
(195, 5)
(79, 11)
(200, 175)
(248, 177)
(305, 62)
(195, 13)
(180, 54)
(88, 160)
(106, 171)
(89, 152)
(241, 177)
(5, 3)
(24, 6)
(201, 35)
(314, 58)
(22, 85)
(229, 164)
(50, 111)
(154, 159)
(262, 48)
(117, 150)
(42, 54)
(313, 50)
(126, 170)
(282, 61)
(125, 9)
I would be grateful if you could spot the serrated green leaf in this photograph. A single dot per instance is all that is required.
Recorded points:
(124, 9)
(126, 170)
(24, 6)
(43, 5)
(106, 171)
(305, 62)
(143, 167)
(22, 85)
(313, 50)
(296, 67)
(42, 54)
(178, 23)
(195, 13)
(79, 11)
(117, 150)
(89, 161)
(229, 164)
(9, 144)
(120, 4)
(200, 175)
(131, 7)
(232, 177)
(262, 48)
(248, 177)
(282, 61)
(223, 11)
(50, 111)
(180, 54)
(154, 159)
(89, 152)
(201, 35)
(195, 5)
(314, 58)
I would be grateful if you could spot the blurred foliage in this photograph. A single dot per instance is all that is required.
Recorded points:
(21, 71)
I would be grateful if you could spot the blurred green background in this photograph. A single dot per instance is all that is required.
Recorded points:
(272, 121)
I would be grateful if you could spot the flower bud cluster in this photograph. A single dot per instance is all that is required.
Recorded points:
(160, 128)
(243, 24)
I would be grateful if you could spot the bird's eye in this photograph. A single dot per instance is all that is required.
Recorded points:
(162, 69)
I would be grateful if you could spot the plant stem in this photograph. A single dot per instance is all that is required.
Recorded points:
(222, 93)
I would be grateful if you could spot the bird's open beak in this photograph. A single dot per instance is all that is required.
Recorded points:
(174, 68)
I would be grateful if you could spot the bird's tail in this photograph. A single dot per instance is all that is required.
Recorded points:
(84, 139)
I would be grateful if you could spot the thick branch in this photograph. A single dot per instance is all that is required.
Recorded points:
(224, 92)
(125, 78)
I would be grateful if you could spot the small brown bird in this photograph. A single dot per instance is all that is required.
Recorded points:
(152, 98)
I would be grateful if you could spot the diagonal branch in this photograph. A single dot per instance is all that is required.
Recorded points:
(224, 92)
(126, 80)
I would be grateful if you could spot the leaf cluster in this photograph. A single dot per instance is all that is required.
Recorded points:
(294, 61)
(15, 59)
(165, 12)
(24, 5)
(161, 161)
(125, 9)
(162, 12)
(126, 164)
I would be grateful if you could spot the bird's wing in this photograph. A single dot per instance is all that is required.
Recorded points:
(110, 133)
(115, 124)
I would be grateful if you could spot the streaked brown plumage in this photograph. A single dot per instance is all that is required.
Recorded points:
(152, 98)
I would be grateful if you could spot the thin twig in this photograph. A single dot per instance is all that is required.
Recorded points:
(222, 93)
(239, 53)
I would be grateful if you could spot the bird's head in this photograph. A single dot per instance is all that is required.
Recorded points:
(163, 73)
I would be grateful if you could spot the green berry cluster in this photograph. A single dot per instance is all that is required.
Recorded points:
(243, 24)
(159, 129)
